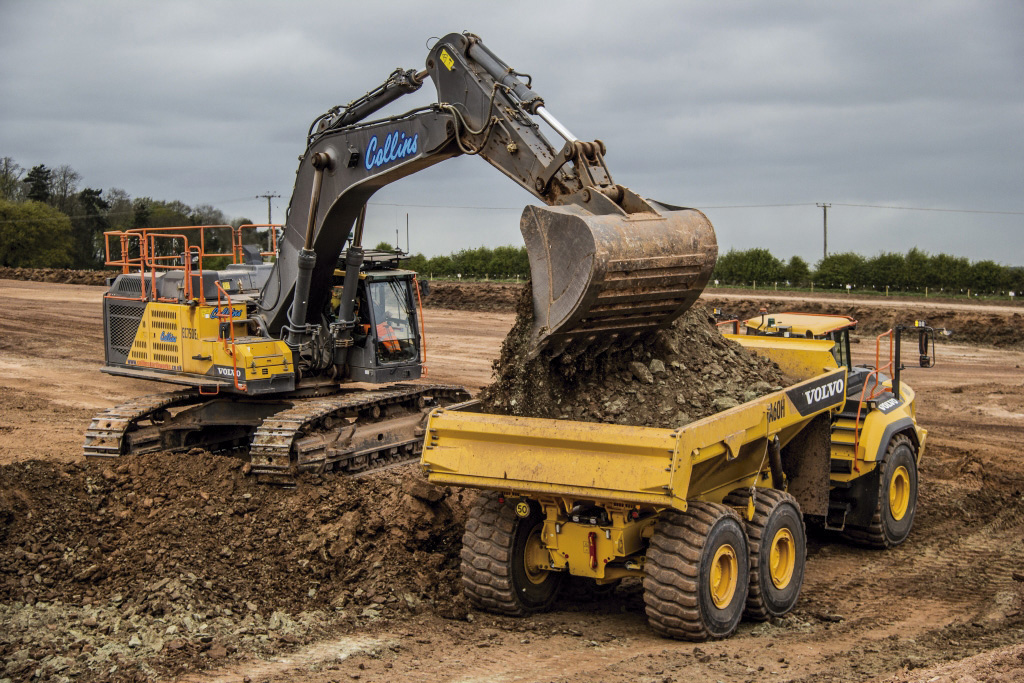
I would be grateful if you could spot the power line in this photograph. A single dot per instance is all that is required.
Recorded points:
(448, 206)
(520, 208)
(920, 208)
(755, 206)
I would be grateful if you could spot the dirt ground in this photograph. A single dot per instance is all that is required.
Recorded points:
(948, 605)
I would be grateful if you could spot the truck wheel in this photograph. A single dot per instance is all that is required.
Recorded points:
(897, 498)
(502, 555)
(778, 551)
(697, 572)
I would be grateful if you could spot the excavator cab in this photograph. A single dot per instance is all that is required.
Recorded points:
(386, 342)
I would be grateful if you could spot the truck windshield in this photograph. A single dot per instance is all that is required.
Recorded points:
(394, 321)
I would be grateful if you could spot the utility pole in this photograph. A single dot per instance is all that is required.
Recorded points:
(824, 208)
(407, 233)
(268, 197)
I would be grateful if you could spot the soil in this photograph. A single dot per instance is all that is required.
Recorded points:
(476, 296)
(65, 276)
(171, 560)
(683, 373)
(945, 605)
(979, 324)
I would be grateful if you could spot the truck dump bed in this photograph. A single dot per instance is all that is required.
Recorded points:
(617, 463)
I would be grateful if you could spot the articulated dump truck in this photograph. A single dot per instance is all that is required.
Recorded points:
(710, 516)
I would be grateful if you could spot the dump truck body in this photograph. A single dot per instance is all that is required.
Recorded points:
(619, 467)
(568, 500)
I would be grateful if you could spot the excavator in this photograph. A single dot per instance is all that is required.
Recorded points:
(309, 356)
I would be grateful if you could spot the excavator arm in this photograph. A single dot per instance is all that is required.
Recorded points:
(606, 264)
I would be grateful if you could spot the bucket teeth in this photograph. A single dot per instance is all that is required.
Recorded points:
(603, 279)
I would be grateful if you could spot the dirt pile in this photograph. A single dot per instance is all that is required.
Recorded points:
(681, 374)
(971, 327)
(171, 562)
(478, 296)
(62, 275)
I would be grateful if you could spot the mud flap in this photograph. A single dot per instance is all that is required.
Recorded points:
(603, 279)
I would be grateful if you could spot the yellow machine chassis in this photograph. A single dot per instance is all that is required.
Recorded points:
(186, 344)
(631, 472)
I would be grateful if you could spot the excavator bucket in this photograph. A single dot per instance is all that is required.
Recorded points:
(604, 279)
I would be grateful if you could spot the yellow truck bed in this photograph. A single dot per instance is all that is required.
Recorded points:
(615, 463)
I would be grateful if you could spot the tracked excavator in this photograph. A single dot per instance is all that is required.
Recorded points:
(278, 352)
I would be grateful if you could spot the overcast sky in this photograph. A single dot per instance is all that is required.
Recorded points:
(703, 104)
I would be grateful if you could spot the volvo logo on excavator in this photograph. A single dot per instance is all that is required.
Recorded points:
(396, 146)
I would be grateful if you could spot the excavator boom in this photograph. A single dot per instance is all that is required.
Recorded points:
(606, 265)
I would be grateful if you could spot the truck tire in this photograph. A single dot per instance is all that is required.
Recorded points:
(778, 551)
(495, 547)
(897, 498)
(697, 573)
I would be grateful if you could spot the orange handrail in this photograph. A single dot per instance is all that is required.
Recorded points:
(155, 263)
(875, 393)
(734, 322)
(148, 260)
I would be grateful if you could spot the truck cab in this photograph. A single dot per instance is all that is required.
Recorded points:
(835, 328)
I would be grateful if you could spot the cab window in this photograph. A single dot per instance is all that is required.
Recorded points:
(393, 321)
(841, 347)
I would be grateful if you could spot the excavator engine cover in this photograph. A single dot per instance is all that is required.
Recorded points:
(604, 279)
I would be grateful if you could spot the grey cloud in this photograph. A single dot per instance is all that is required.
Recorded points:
(699, 103)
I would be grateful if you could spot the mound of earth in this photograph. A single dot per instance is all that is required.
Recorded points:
(170, 562)
(681, 374)
(477, 296)
(62, 275)
(1001, 330)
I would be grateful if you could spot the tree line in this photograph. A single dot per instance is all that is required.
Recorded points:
(46, 221)
(913, 271)
(499, 263)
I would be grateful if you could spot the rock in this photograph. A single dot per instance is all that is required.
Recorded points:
(724, 403)
(640, 371)
(135, 641)
(657, 368)
(422, 489)
(276, 621)
(666, 343)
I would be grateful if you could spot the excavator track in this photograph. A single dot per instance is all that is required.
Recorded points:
(351, 433)
(108, 434)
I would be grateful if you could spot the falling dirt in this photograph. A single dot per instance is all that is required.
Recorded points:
(683, 373)
(145, 569)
